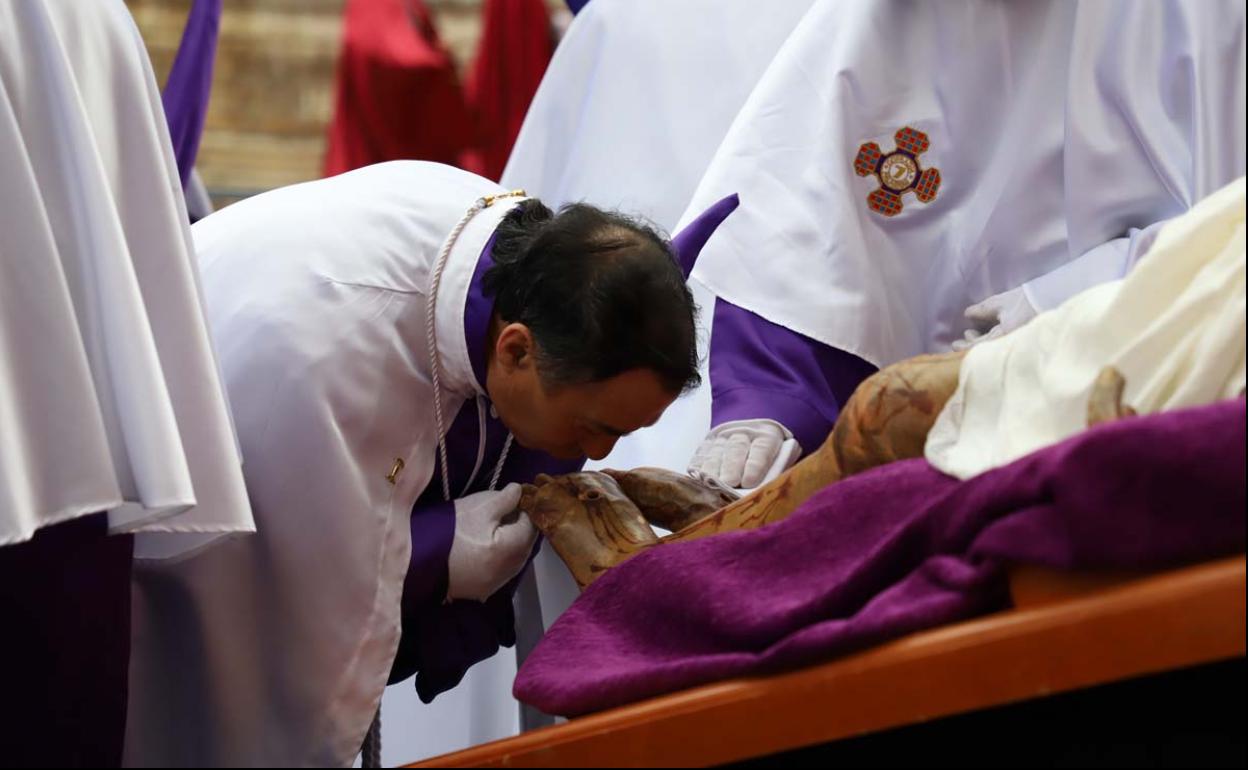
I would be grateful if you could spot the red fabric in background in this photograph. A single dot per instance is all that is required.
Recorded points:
(397, 94)
(516, 45)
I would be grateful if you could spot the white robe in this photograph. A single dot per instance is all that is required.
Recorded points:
(633, 106)
(1174, 328)
(637, 98)
(110, 397)
(275, 649)
(1056, 127)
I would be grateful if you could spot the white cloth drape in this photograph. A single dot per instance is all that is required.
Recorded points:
(110, 397)
(1174, 328)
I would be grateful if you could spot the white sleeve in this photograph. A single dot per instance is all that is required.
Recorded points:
(1107, 262)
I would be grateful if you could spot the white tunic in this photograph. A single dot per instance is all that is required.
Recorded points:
(275, 649)
(637, 98)
(1056, 128)
(109, 393)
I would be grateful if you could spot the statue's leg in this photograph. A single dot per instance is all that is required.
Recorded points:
(887, 419)
(588, 520)
(593, 524)
(668, 499)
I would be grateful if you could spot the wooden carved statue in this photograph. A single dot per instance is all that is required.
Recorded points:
(595, 520)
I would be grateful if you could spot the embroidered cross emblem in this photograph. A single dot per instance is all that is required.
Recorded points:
(899, 171)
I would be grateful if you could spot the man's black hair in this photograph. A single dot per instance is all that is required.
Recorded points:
(601, 292)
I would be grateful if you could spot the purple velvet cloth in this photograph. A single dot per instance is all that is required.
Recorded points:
(190, 82)
(65, 643)
(893, 551)
(761, 369)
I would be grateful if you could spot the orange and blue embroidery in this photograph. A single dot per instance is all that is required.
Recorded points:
(899, 171)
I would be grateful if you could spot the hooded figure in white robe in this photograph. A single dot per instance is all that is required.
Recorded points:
(920, 175)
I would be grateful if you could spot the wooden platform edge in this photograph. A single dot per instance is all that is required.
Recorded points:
(1162, 622)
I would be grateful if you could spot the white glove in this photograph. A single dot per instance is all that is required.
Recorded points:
(490, 546)
(996, 316)
(743, 454)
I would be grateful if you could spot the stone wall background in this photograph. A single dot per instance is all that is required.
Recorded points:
(273, 83)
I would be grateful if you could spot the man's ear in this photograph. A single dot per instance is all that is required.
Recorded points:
(514, 347)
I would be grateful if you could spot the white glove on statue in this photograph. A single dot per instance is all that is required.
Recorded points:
(996, 316)
(491, 546)
(743, 454)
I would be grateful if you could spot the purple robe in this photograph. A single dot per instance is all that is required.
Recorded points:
(190, 82)
(892, 551)
(65, 600)
(763, 370)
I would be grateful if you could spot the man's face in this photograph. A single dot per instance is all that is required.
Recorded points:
(569, 421)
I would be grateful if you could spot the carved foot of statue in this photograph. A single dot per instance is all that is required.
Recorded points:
(1105, 402)
(588, 520)
(668, 499)
(595, 521)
